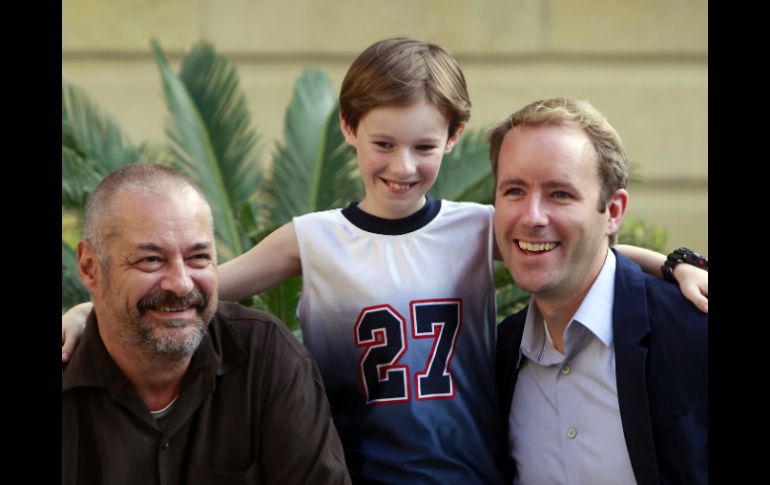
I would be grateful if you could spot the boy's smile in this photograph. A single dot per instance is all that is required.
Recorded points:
(399, 152)
(399, 187)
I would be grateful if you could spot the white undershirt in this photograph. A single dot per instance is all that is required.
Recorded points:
(165, 410)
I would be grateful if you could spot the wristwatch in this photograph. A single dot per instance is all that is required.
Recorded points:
(682, 255)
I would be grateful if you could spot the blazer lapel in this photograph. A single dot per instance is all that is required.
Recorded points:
(631, 327)
(509, 336)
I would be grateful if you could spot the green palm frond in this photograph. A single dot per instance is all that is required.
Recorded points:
(212, 141)
(313, 169)
(92, 146)
(510, 298)
(79, 177)
(72, 290)
(282, 301)
(339, 168)
(465, 171)
(154, 152)
(213, 84)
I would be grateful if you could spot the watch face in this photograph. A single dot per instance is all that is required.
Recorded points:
(698, 261)
(691, 257)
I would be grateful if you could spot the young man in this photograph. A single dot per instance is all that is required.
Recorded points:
(604, 376)
(168, 386)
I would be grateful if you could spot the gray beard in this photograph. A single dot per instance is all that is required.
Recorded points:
(169, 347)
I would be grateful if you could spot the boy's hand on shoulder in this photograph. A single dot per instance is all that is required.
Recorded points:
(694, 284)
(73, 323)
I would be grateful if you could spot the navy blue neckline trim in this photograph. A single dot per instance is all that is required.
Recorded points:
(393, 227)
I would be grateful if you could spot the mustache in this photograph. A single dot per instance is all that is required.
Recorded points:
(164, 298)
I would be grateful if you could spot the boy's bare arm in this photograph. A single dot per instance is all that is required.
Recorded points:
(271, 262)
(693, 282)
(73, 322)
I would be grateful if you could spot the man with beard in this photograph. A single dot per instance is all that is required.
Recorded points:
(168, 386)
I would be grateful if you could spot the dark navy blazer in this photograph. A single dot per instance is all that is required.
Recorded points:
(661, 368)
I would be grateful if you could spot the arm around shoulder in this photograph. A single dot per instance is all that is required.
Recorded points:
(693, 282)
(73, 323)
(272, 261)
(649, 260)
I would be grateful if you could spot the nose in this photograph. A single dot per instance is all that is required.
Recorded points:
(403, 164)
(177, 279)
(535, 214)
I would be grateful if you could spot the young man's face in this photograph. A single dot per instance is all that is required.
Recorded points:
(399, 154)
(159, 290)
(549, 231)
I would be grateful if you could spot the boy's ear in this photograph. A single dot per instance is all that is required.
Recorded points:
(347, 132)
(450, 143)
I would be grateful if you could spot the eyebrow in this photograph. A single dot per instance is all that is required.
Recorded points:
(201, 245)
(428, 139)
(149, 247)
(558, 184)
(551, 184)
(513, 181)
(157, 248)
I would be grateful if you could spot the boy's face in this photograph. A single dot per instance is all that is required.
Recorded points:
(399, 154)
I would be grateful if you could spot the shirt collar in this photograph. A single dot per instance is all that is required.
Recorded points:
(91, 365)
(393, 227)
(533, 339)
(594, 313)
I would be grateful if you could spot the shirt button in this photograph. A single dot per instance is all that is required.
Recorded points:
(165, 445)
(571, 433)
(566, 369)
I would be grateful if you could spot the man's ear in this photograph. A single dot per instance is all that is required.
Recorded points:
(89, 266)
(616, 207)
(347, 132)
(450, 143)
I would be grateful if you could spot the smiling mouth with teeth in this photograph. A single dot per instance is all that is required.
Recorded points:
(399, 186)
(167, 302)
(536, 247)
(172, 310)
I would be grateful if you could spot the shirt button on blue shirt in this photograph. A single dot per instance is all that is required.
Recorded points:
(571, 433)
(566, 369)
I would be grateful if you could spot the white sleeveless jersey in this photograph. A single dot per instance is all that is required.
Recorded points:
(400, 317)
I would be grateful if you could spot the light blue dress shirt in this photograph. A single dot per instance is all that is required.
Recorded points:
(565, 423)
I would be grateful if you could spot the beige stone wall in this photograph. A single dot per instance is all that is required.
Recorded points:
(644, 63)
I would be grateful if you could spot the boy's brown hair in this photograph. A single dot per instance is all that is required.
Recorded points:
(399, 72)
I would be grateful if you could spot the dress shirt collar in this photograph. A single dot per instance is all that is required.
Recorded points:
(594, 313)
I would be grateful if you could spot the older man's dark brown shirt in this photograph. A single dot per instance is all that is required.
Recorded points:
(252, 409)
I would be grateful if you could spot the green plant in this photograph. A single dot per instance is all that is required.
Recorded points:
(210, 138)
(636, 232)
(92, 146)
